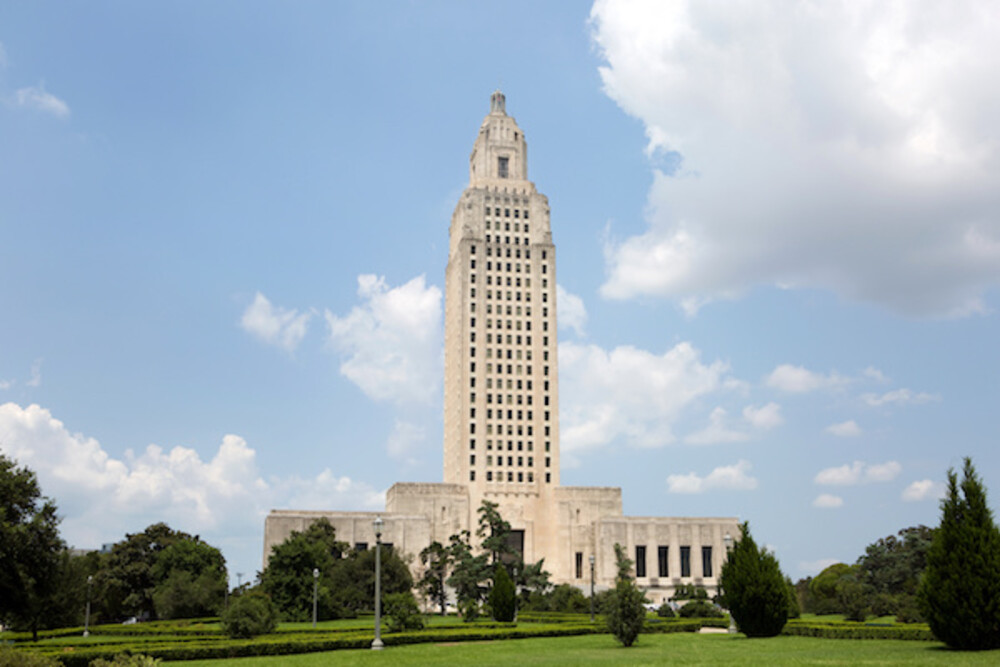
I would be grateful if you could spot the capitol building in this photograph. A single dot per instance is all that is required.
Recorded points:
(501, 407)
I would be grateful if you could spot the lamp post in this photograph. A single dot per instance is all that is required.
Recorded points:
(315, 588)
(728, 539)
(377, 642)
(591, 588)
(86, 618)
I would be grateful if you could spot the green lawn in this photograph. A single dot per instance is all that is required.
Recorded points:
(682, 648)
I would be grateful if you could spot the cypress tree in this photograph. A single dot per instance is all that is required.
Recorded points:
(754, 588)
(960, 592)
(503, 597)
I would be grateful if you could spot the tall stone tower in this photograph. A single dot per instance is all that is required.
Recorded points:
(501, 397)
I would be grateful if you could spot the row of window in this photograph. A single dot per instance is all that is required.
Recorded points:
(663, 565)
(510, 414)
(472, 251)
(509, 267)
(506, 211)
(498, 398)
(496, 238)
(510, 461)
(510, 476)
(506, 225)
(498, 368)
(512, 325)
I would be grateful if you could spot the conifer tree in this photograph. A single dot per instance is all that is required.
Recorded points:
(960, 592)
(754, 588)
(625, 614)
(502, 597)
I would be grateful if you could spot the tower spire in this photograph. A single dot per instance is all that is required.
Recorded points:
(498, 103)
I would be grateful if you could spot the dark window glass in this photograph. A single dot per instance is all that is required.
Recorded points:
(685, 561)
(640, 561)
(706, 561)
(662, 553)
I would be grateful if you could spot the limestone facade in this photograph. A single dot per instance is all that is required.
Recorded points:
(501, 415)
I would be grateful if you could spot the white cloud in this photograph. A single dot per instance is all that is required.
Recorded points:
(828, 501)
(847, 146)
(716, 432)
(404, 440)
(38, 99)
(6, 384)
(734, 477)
(629, 394)
(924, 489)
(799, 380)
(858, 472)
(765, 417)
(848, 429)
(875, 374)
(275, 325)
(570, 311)
(899, 397)
(392, 341)
(223, 497)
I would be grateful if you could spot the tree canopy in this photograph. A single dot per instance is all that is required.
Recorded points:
(753, 588)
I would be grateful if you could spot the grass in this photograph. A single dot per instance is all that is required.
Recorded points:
(683, 649)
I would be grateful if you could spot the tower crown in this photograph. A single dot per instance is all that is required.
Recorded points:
(500, 154)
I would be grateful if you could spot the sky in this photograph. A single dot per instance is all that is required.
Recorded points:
(224, 231)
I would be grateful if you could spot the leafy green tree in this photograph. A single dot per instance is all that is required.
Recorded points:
(30, 549)
(250, 614)
(402, 613)
(530, 579)
(754, 588)
(824, 589)
(191, 580)
(625, 613)
(890, 570)
(503, 599)
(434, 557)
(353, 578)
(288, 577)
(494, 533)
(960, 591)
(794, 610)
(468, 574)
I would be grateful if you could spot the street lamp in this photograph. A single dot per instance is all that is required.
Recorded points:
(377, 642)
(591, 588)
(728, 539)
(315, 588)
(86, 619)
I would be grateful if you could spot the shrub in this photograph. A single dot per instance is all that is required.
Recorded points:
(700, 609)
(126, 660)
(249, 615)
(502, 596)
(666, 611)
(960, 592)
(401, 612)
(10, 657)
(625, 614)
(754, 588)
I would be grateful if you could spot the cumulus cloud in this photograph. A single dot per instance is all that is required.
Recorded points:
(924, 489)
(716, 432)
(800, 380)
(275, 325)
(392, 342)
(858, 472)
(846, 146)
(899, 397)
(222, 497)
(765, 417)
(734, 477)
(848, 429)
(629, 394)
(571, 313)
(828, 501)
(38, 99)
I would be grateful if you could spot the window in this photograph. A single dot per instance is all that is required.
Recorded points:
(579, 565)
(472, 475)
(661, 556)
(706, 561)
(489, 475)
(548, 478)
(360, 546)
(501, 171)
(640, 561)
(685, 561)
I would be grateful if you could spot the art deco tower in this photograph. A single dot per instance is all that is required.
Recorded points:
(501, 414)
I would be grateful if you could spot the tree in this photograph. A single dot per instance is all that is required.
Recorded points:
(960, 591)
(468, 573)
(191, 580)
(402, 613)
(823, 589)
(754, 588)
(794, 610)
(890, 570)
(352, 578)
(625, 614)
(503, 599)
(530, 579)
(434, 558)
(288, 577)
(494, 533)
(249, 615)
(30, 548)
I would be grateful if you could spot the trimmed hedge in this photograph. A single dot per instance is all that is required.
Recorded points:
(858, 631)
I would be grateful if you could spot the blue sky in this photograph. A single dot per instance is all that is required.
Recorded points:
(223, 234)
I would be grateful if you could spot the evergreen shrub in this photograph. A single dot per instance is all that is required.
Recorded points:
(401, 612)
(503, 596)
(754, 588)
(249, 615)
(700, 609)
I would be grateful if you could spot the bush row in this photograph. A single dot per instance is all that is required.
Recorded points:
(290, 644)
(844, 631)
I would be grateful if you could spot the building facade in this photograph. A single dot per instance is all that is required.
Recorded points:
(501, 414)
